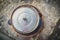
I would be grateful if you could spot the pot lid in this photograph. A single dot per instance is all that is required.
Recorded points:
(25, 19)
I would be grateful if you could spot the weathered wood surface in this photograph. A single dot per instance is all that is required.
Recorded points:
(50, 9)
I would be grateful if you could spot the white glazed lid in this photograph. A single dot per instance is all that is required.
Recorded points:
(25, 19)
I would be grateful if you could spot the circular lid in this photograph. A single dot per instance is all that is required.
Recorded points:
(25, 19)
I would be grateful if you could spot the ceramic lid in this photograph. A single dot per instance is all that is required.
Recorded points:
(25, 19)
